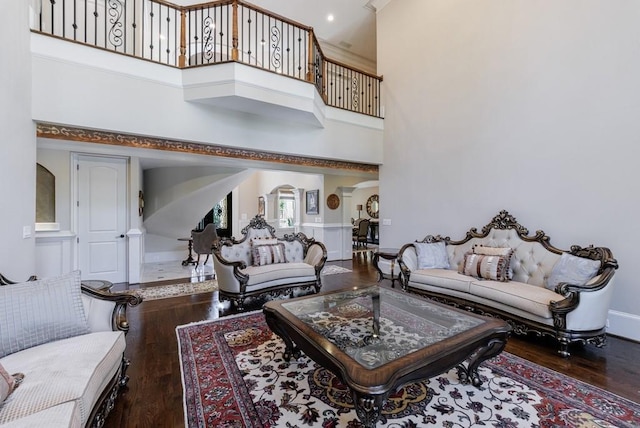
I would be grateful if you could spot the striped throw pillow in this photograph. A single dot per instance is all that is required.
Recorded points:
(268, 254)
(486, 267)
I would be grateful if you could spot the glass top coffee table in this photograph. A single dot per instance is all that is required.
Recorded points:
(377, 339)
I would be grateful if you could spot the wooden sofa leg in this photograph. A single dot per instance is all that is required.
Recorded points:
(124, 379)
(564, 348)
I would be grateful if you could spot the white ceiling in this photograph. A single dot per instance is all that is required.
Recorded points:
(352, 29)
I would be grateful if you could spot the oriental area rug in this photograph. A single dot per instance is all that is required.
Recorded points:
(176, 290)
(234, 375)
(188, 288)
(334, 269)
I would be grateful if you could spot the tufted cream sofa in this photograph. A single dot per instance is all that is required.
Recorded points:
(240, 277)
(569, 312)
(71, 381)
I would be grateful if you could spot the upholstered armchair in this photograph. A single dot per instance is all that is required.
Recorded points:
(203, 241)
(260, 264)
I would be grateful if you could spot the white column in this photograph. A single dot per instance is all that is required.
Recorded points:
(298, 195)
(136, 254)
(345, 194)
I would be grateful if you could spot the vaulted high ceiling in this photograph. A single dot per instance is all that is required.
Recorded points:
(353, 27)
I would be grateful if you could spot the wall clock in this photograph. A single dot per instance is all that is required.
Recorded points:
(333, 201)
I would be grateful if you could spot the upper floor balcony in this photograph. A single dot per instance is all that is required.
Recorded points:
(242, 40)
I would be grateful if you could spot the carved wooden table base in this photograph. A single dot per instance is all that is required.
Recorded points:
(464, 340)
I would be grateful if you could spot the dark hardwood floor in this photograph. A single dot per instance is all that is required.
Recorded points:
(153, 397)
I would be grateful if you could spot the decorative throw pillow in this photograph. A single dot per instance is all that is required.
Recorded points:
(8, 383)
(268, 254)
(572, 269)
(37, 312)
(432, 255)
(486, 267)
(496, 251)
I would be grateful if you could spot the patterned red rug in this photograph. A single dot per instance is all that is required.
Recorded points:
(234, 376)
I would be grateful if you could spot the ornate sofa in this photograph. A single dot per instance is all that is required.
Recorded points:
(505, 272)
(260, 264)
(68, 342)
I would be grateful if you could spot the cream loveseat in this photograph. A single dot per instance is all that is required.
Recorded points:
(505, 272)
(68, 342)
(261, 265)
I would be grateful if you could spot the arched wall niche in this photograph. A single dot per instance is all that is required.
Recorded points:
(45, 195)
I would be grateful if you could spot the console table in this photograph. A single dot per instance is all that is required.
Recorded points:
(189, 260)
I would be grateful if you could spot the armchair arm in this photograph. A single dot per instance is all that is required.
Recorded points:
(6, 281)
(316, 256)
(584, 307)
(229, 273)
(106, 310)
(586, 304)
(408, 261)
(607, 269)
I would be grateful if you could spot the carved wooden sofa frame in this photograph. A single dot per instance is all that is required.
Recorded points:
(560, 309)
(232, 264)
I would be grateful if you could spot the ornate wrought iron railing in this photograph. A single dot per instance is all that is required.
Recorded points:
(210, 33)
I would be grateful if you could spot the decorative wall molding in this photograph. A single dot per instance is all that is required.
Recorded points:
(57, 132)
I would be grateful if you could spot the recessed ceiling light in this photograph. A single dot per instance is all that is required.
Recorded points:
(330, 18)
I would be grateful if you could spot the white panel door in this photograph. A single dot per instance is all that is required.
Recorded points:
(102, 218)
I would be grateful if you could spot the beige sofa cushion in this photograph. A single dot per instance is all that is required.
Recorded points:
(73, 369)
(293, 272)
(529, 298)
(444, 278)
(65, 415)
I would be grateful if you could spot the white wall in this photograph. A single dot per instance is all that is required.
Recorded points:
(58, 162)
(263, 183)
(266, 181)
(121, 88)
(342, 214)
(327, 227)
(526, 106)
(18, 145)
(55, 249)
(247, 200)
(184, 192)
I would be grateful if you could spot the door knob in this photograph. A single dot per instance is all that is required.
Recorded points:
(121, 236)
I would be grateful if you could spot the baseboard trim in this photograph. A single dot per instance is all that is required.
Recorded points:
(624, 325)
